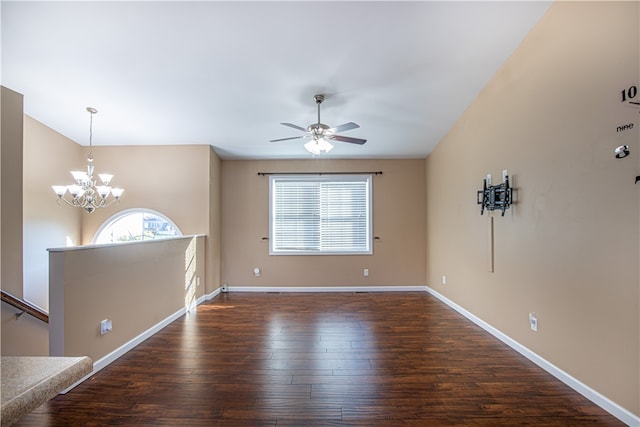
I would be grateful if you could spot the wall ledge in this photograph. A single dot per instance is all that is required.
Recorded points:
(602, 401)
(107, 245)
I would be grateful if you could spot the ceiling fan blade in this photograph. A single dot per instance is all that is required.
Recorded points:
(346, 126)
(348, 139)
(287, 139)
(291, 125)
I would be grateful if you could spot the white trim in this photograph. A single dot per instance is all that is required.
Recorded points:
(605, 403)
(327, 289)
(115, 354)
(201, 299)
(120, 351)
(124, 348)
(602, 401)
(135, 242)
(211, 296)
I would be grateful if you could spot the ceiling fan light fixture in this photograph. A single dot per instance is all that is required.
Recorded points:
(318, 146)
(312, 147)
(325, 145)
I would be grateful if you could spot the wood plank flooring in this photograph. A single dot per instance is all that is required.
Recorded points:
(321, 359)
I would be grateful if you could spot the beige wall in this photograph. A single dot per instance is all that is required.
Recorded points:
(24, 335)
(398, 219)
(15, 329)
(135, 285)
(173, 180)
(188, 176)
(569, 249)
(215, 223)
(182, 182)
(177, 181)
(11, 192)
(46, 225)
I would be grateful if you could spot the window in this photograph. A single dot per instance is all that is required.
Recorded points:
(328, 214)
(136, 224)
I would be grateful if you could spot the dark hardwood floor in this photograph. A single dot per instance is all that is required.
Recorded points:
(321, 359)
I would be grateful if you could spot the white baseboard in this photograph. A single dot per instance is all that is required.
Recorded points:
(115, 354)
(210, 296)
(605, 403)
(284, 289)
(602, 401)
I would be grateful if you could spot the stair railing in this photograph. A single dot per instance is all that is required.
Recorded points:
(24, 307)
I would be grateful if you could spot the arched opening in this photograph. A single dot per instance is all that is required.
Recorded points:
(135, 225)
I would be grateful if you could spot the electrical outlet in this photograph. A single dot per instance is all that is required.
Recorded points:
(505, 173)
(105, 326)
(366, 272)
(197, 281)
(488, 179)
(444, 280)
(256, 272)
(533, 322)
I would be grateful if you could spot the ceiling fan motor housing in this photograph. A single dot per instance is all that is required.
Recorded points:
(317, 127)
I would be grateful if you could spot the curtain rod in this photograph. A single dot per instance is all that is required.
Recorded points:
(319, 173)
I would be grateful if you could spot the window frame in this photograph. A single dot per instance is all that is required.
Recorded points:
(335, 178)
(123, 213)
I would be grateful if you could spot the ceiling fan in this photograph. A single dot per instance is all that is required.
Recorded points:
(321, 133)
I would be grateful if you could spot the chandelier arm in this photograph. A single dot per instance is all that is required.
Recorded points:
(80, 202)
(96, 201)
(112, 201)
(62, 199)
(74, 202)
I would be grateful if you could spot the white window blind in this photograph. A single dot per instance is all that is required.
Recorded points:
(320, 215)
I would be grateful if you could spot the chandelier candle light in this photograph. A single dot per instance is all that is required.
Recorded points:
(85, 193)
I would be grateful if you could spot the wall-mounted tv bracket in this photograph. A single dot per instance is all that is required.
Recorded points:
(494, 197)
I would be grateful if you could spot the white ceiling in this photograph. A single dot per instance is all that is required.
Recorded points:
(227, 73)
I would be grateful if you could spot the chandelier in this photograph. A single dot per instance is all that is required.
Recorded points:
(318, 145)
(85, 193)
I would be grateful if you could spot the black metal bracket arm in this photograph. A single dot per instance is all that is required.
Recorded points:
(637, 179)
(494, 197)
